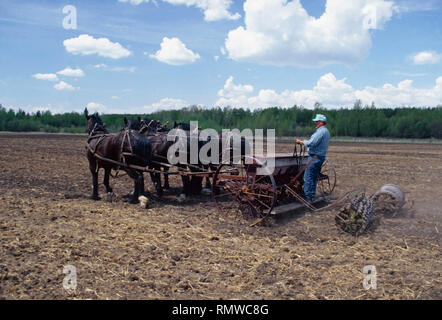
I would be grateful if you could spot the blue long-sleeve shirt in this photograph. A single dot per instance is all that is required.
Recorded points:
(318, 143)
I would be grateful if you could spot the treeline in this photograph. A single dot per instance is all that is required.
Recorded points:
(416, 123)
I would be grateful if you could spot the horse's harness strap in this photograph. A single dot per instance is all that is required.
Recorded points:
(101, 138)
(123, 154)
(146, 127)
(88, 146)
(90, 138)
(93, 136)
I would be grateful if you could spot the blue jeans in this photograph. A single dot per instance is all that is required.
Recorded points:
(311, 177)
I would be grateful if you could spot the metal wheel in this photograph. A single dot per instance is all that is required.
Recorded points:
(244, 190)
(327, 178)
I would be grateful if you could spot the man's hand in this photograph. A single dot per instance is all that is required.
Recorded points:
(299, 141)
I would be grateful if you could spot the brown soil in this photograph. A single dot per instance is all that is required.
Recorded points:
(188, 251)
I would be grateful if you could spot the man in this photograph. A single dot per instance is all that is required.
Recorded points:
(317, 149)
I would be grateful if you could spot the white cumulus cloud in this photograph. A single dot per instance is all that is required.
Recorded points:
(134, 2)
(332, 93)
(69, 72)
(87, 45)
(46, 76)
(115, 69)
(163, 104)
(426, 57)
(123, 69)
(96, 107)
(63, 86)
(213, 9)
(281, 32)
(234, 94)
(174, 52)
(166, 104)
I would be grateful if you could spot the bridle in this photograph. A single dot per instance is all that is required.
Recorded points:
(94, 133)
(93, 130)
(146, 127)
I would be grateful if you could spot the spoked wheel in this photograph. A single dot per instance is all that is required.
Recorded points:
(244, 190)
(327, 178)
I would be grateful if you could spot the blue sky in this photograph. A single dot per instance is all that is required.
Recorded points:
(136, 56)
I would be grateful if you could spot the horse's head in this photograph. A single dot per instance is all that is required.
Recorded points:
(150, 126)
(163, 127)
(94, 122)
(183, 126)
(133, 124)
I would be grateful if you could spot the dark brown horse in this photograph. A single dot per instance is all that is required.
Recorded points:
(160, 145)
(146, 125)
(158, 136)
(126, 146)
(229, 145)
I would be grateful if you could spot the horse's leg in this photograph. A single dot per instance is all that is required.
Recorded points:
(159, 188)
(156, 180)
(94, 171)
(196, 184)
(110, 192)
(141, 183)
(143, 190)
(208, 184)
(107, 172)
(166, 178)
(187, 185)
(207, 190)
(185, 189)
(137, 177)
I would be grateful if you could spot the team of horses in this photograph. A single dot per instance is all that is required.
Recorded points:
(141, 143)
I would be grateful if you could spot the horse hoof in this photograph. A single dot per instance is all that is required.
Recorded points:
(181, 198)
(110, 196)
(134, 201)
(206, 191)
(130, 194)
(94, 197)
(143, 201)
